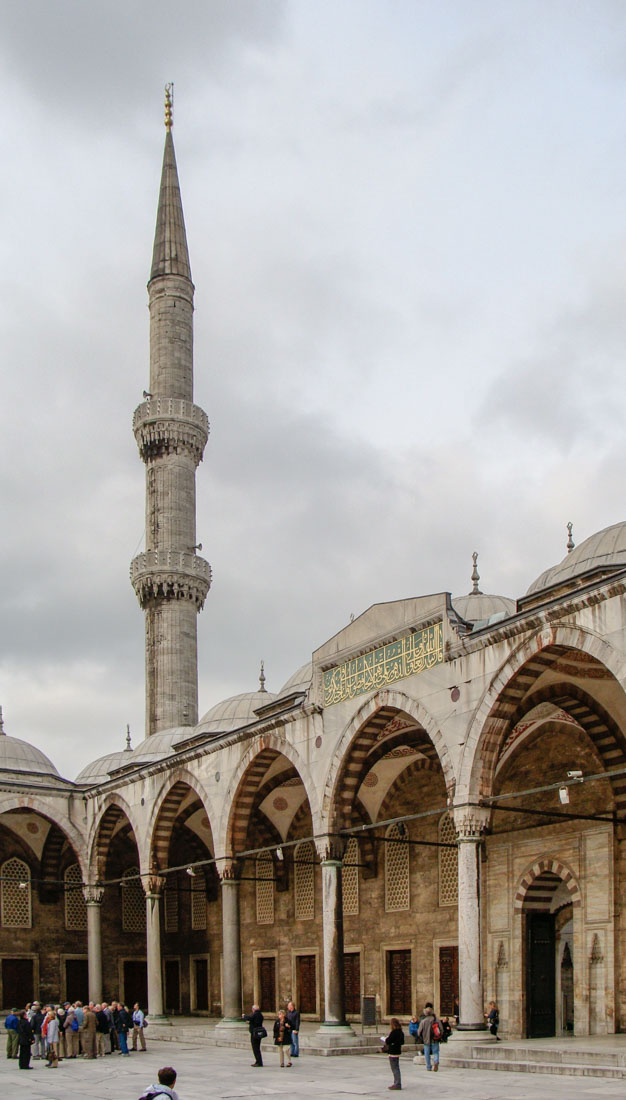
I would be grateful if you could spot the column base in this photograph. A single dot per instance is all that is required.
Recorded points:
(158, 1025)
(230, 1028)
(336, 1035)
(469, 1035)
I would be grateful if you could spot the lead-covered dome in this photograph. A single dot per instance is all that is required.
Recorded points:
(20, 756)
(602, 553)
(480, 606)
(99, 770)
(235, 712)
(299, 681)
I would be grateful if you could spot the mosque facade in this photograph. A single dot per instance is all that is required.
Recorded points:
(432, 808)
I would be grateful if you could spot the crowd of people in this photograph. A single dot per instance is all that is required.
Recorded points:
(55, 1032)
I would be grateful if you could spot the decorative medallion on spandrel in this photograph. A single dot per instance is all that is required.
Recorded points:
(377, 669)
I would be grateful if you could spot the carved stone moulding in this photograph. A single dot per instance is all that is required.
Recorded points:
(165, 437)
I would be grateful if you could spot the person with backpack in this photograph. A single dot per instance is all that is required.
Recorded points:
(165, 1087)
(430, 1032)
(70, 1029)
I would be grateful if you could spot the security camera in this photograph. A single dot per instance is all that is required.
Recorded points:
(575, 774)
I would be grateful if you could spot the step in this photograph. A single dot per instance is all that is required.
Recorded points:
(550, 1055)
(565, 1069)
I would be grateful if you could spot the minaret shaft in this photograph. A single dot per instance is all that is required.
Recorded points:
(171, 581)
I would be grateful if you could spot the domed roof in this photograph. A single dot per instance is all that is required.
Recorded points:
(159, 745)
(299, 681)
(606, 551)
(233, 713)
(100, 769)
(479, 607)
(19, 756)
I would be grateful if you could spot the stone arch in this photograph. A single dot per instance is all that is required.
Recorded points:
(102, 831)
(346, 767)
(403, 780)
(244, 784)
(547, 866)
(55, 816)
(165, 811)
(492, 718)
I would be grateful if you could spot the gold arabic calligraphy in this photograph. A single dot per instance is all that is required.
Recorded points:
(384, 666)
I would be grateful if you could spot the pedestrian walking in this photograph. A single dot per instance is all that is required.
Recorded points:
(282, 1037)
(393, 1046)
(257, 1034)
(25, 1040)
(429, 1031)
(293, 1017)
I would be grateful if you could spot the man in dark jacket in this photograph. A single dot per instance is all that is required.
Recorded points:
(24, 1039)
(36, 1020)
(293, 1019)
(255, 1022)
(123, 1021)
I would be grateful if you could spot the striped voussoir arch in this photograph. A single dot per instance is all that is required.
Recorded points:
(51, 858)
(498, 725)
(602, 730)
(169, 811)
(245, 798)
(110, 819)
(404, 779)
(541, 882)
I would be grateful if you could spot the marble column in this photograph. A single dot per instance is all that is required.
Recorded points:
(231, 953)
(93, 899)
(470, 823)
(334, 1025)
(153, 944)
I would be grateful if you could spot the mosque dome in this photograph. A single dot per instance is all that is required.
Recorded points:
(480, 607)
(299, 681)
(603, 552)
(235, 712)
(100, 769)
(158, 745)
(20, 756)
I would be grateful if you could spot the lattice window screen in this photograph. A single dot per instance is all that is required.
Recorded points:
(16, 907)
(448, 863)
(397, 892)
(350, 878)
(171, 906)
(304, 878)
(198, 902)
(264, 889)
(75, 907)
(133, 902)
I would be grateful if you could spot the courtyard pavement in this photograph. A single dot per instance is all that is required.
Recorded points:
(223, 1073)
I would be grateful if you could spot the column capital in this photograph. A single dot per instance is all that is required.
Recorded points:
(471, 821)
(229, 872)
(331, 848)
(155, 884)
(93, 893)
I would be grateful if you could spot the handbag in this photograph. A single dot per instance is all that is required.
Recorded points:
(260, 1033)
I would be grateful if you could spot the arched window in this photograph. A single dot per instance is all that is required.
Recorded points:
(448, 863)
(75, 907)
(264, 889)
(170, 904)
(198, 901)
(350, 878)
(133, 901)
(304, 879)
(397, 892)
(16, 906)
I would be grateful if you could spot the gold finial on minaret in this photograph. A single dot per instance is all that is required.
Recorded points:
(169, 106)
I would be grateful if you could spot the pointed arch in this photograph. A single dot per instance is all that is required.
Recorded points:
(52, 814)
(113, 809)
(547, 866)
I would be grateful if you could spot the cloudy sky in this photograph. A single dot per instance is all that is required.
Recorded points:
(407, 226)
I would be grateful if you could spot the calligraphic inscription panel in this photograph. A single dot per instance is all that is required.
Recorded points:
(384, 666)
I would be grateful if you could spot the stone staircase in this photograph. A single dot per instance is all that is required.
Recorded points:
(563, 1060)
(202, 1033)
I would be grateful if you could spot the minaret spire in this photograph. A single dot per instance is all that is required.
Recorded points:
(171, 581)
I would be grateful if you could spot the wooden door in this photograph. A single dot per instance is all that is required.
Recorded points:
(201, 981)
(352, 983)
(17, 982)
(77, 980)
(448, 979)
(540, 975)
(307, 985)
(172, 986)
(136, 983)
(267, 984)
(399, 983)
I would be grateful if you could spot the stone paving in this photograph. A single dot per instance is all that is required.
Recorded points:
(206, 1072)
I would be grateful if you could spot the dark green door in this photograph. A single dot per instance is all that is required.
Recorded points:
(540, 974)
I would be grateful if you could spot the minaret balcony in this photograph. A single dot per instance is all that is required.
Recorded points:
(170, 575)
(169, 425)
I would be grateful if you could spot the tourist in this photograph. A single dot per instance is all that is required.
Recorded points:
(70, 1031)
(165, 1087)
(393, 1045)
(102, 1032)
(88, 1032)
(50, 1029)
(37, 1019)
(257, 1033)
(293, 1017)
(282, 1036)
(492, 1017)
(429, 1031)
(138, 1027)
(10, 1024)
(123, 1021)
(24, 1040)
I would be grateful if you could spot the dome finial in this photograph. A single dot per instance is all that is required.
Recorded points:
(169, 106)
(570, 542)
(475, 576)
(128, 748)
(2, 734)
(262, 677)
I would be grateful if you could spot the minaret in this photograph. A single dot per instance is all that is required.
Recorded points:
(170, 580)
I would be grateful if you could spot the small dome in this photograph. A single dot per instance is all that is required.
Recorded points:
(606, 550)
(19, 756)
(100, 770)
(299, 681)
(480, 607)
(159, 745)
(233, 713)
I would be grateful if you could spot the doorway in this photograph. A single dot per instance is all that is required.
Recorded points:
(77, 980)
(136, 982)
(17, 982)
(352, 983)
(540, 975)
(307, 984)
(172, 987)
(448, 980)
(399, 983)
(267, 984)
